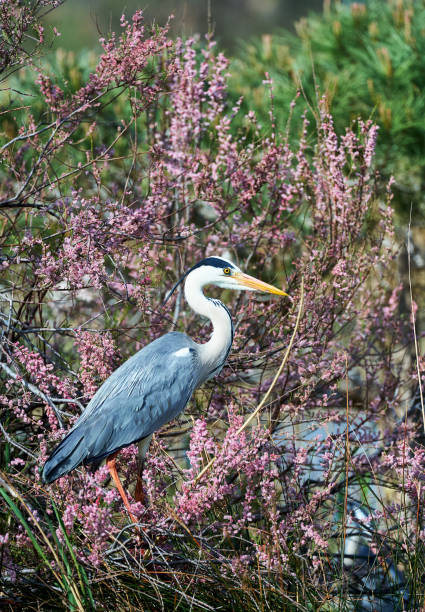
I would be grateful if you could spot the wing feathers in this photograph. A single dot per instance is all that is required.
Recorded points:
(143, 394)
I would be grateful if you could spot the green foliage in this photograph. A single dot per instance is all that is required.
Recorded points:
(369, 60)
(64, 580)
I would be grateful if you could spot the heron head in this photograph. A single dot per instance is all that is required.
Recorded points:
(225, 274)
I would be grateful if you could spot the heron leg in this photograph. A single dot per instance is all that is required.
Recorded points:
(139, 494)
(110, 462)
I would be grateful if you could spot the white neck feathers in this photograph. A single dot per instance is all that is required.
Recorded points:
(213, 352)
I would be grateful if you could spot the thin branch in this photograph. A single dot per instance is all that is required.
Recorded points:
(13, 442)
(34, 390)
(414, 322)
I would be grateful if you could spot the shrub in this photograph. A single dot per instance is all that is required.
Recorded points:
(91, 241)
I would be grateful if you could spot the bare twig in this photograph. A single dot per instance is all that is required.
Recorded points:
(34, 390)
(414, 322)
(13, 442)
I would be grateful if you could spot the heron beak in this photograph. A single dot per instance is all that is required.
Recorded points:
(254, 283)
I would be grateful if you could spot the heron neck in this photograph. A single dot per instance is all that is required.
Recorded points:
(214, 352)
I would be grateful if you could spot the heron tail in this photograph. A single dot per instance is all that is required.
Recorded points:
(69, 454)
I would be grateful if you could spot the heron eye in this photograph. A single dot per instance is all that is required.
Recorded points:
(226, 271)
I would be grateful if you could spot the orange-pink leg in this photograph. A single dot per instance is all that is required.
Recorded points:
(110, 462)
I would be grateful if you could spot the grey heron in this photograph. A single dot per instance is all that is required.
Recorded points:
(154, 385)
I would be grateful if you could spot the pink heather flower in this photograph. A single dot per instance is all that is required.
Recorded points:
(370, 145)
(98, 359)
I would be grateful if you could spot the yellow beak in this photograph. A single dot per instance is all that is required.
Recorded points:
(254, 283)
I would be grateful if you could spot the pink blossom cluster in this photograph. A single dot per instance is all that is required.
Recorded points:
(98, 358)
(41, 372)
(250, 456)
(18, 21)
(123, 63)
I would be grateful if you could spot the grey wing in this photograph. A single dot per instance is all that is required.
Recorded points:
(147, 391)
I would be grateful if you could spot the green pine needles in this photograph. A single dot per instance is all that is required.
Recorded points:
(369, 59)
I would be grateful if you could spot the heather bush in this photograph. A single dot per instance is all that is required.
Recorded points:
(368, 58)
(114, 184)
